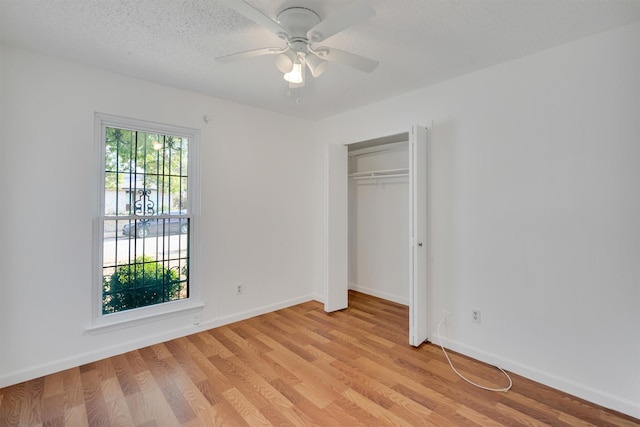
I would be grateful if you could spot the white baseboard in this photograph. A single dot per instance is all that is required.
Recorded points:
(123, 347)
(255, 312)
(598, 397)
(92, 356)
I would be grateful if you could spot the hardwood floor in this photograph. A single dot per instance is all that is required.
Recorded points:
(294, 367)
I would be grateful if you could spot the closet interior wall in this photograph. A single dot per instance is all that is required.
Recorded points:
(379, 220)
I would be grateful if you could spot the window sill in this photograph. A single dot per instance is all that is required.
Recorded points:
(139, 316)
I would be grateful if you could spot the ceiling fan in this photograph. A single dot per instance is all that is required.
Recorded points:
(299, 27)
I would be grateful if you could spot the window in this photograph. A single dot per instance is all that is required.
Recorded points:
(144, 237)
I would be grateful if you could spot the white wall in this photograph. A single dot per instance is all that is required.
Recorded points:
(535, 215)
(256, 209)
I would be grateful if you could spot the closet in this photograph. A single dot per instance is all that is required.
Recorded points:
(376, 241)
(378, 222)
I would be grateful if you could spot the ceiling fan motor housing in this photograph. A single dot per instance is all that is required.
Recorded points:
(297, 21)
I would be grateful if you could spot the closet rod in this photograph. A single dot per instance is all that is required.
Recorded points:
(380, 172)
(385, 173)
(374, 176)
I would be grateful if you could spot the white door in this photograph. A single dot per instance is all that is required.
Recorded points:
(418, 198)
(336, 273)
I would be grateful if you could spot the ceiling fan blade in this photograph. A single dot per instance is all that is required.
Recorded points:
(350, 15)
(250, 54)
(256, 16)
(351, 59)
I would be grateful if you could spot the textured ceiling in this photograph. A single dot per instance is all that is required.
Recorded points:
(418, 42)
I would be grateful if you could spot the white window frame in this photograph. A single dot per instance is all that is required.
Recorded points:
(104, 322)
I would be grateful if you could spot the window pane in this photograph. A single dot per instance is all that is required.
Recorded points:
(145, 251)
(144, 262)
(183, 193)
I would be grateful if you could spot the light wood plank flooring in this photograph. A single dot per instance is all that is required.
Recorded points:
(294, 367)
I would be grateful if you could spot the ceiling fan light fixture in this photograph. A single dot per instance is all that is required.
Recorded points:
(284, 61)
(316, 65)
(295, 75)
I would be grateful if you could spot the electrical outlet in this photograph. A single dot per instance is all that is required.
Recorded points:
(196, 319)
(445, 317)
(239, 289)
(475, 315)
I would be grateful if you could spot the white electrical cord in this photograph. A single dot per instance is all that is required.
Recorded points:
(505, 389)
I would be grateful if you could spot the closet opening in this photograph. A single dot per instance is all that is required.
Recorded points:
(378, 217)
(376, 206)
